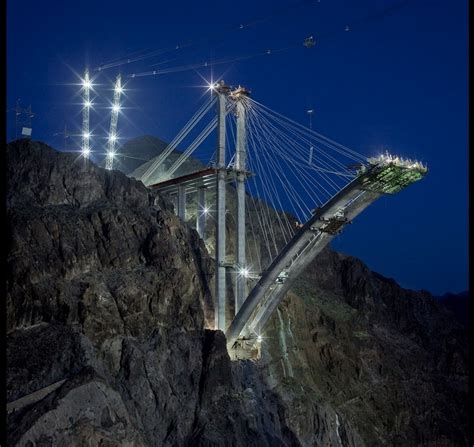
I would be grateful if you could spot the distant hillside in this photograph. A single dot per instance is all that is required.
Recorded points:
(137, 155)
(140, 145)
(458, 304)
(137, 151)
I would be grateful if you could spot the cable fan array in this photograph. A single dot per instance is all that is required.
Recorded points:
(293, 169)
(296, 170)
(190, 127)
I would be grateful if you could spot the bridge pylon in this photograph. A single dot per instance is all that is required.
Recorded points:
(239, 95)
(222, 91)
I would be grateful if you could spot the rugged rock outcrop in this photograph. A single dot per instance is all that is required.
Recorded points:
(106, 339)
(391, 364)
(108, 300)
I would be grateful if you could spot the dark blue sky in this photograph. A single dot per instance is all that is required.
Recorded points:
(398, 82)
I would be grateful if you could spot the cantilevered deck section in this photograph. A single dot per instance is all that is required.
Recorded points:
(381, 175)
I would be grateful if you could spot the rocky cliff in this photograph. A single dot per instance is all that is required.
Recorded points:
(106, 337)
(390, 363)
(108, 296)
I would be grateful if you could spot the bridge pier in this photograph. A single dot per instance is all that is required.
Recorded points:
(201, 212)
(182, 202)
(220, 321)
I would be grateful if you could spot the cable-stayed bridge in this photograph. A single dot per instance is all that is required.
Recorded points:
(295, 191)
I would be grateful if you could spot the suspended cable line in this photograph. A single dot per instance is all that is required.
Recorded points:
(136, 56)
(308, 42)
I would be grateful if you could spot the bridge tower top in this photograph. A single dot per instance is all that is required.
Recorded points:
(239, 93)
(221, 87)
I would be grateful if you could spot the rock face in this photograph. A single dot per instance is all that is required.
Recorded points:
(108, 301)
(105, 302)
(390, 364)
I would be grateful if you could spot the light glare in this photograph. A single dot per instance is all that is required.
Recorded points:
(244, 272)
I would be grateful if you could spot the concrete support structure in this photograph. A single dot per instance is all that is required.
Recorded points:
(221, 91)
(239, 96)
(182, 202)
(201, 212)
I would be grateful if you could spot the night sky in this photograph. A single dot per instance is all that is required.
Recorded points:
(398, 81)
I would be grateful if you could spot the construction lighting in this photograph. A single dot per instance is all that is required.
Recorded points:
(387, 158)
(244, 272)
(205, 211)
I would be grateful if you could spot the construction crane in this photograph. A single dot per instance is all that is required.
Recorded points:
(86, 88)
(109, 163)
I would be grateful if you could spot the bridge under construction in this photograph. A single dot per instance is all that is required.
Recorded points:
(376, 177)
(310, 185)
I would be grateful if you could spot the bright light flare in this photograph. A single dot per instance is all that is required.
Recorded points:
(259, 339)
(111, 154)
(88, 104)
(205, 211)
(244, 271)
(86, 136)
(86, 83)
(113, 138)
(119, 89)
(116, 108)
(86, 152)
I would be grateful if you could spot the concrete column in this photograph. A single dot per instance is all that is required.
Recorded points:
(240, 158)
(181, 202)
(201, 215)
(220, 217)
